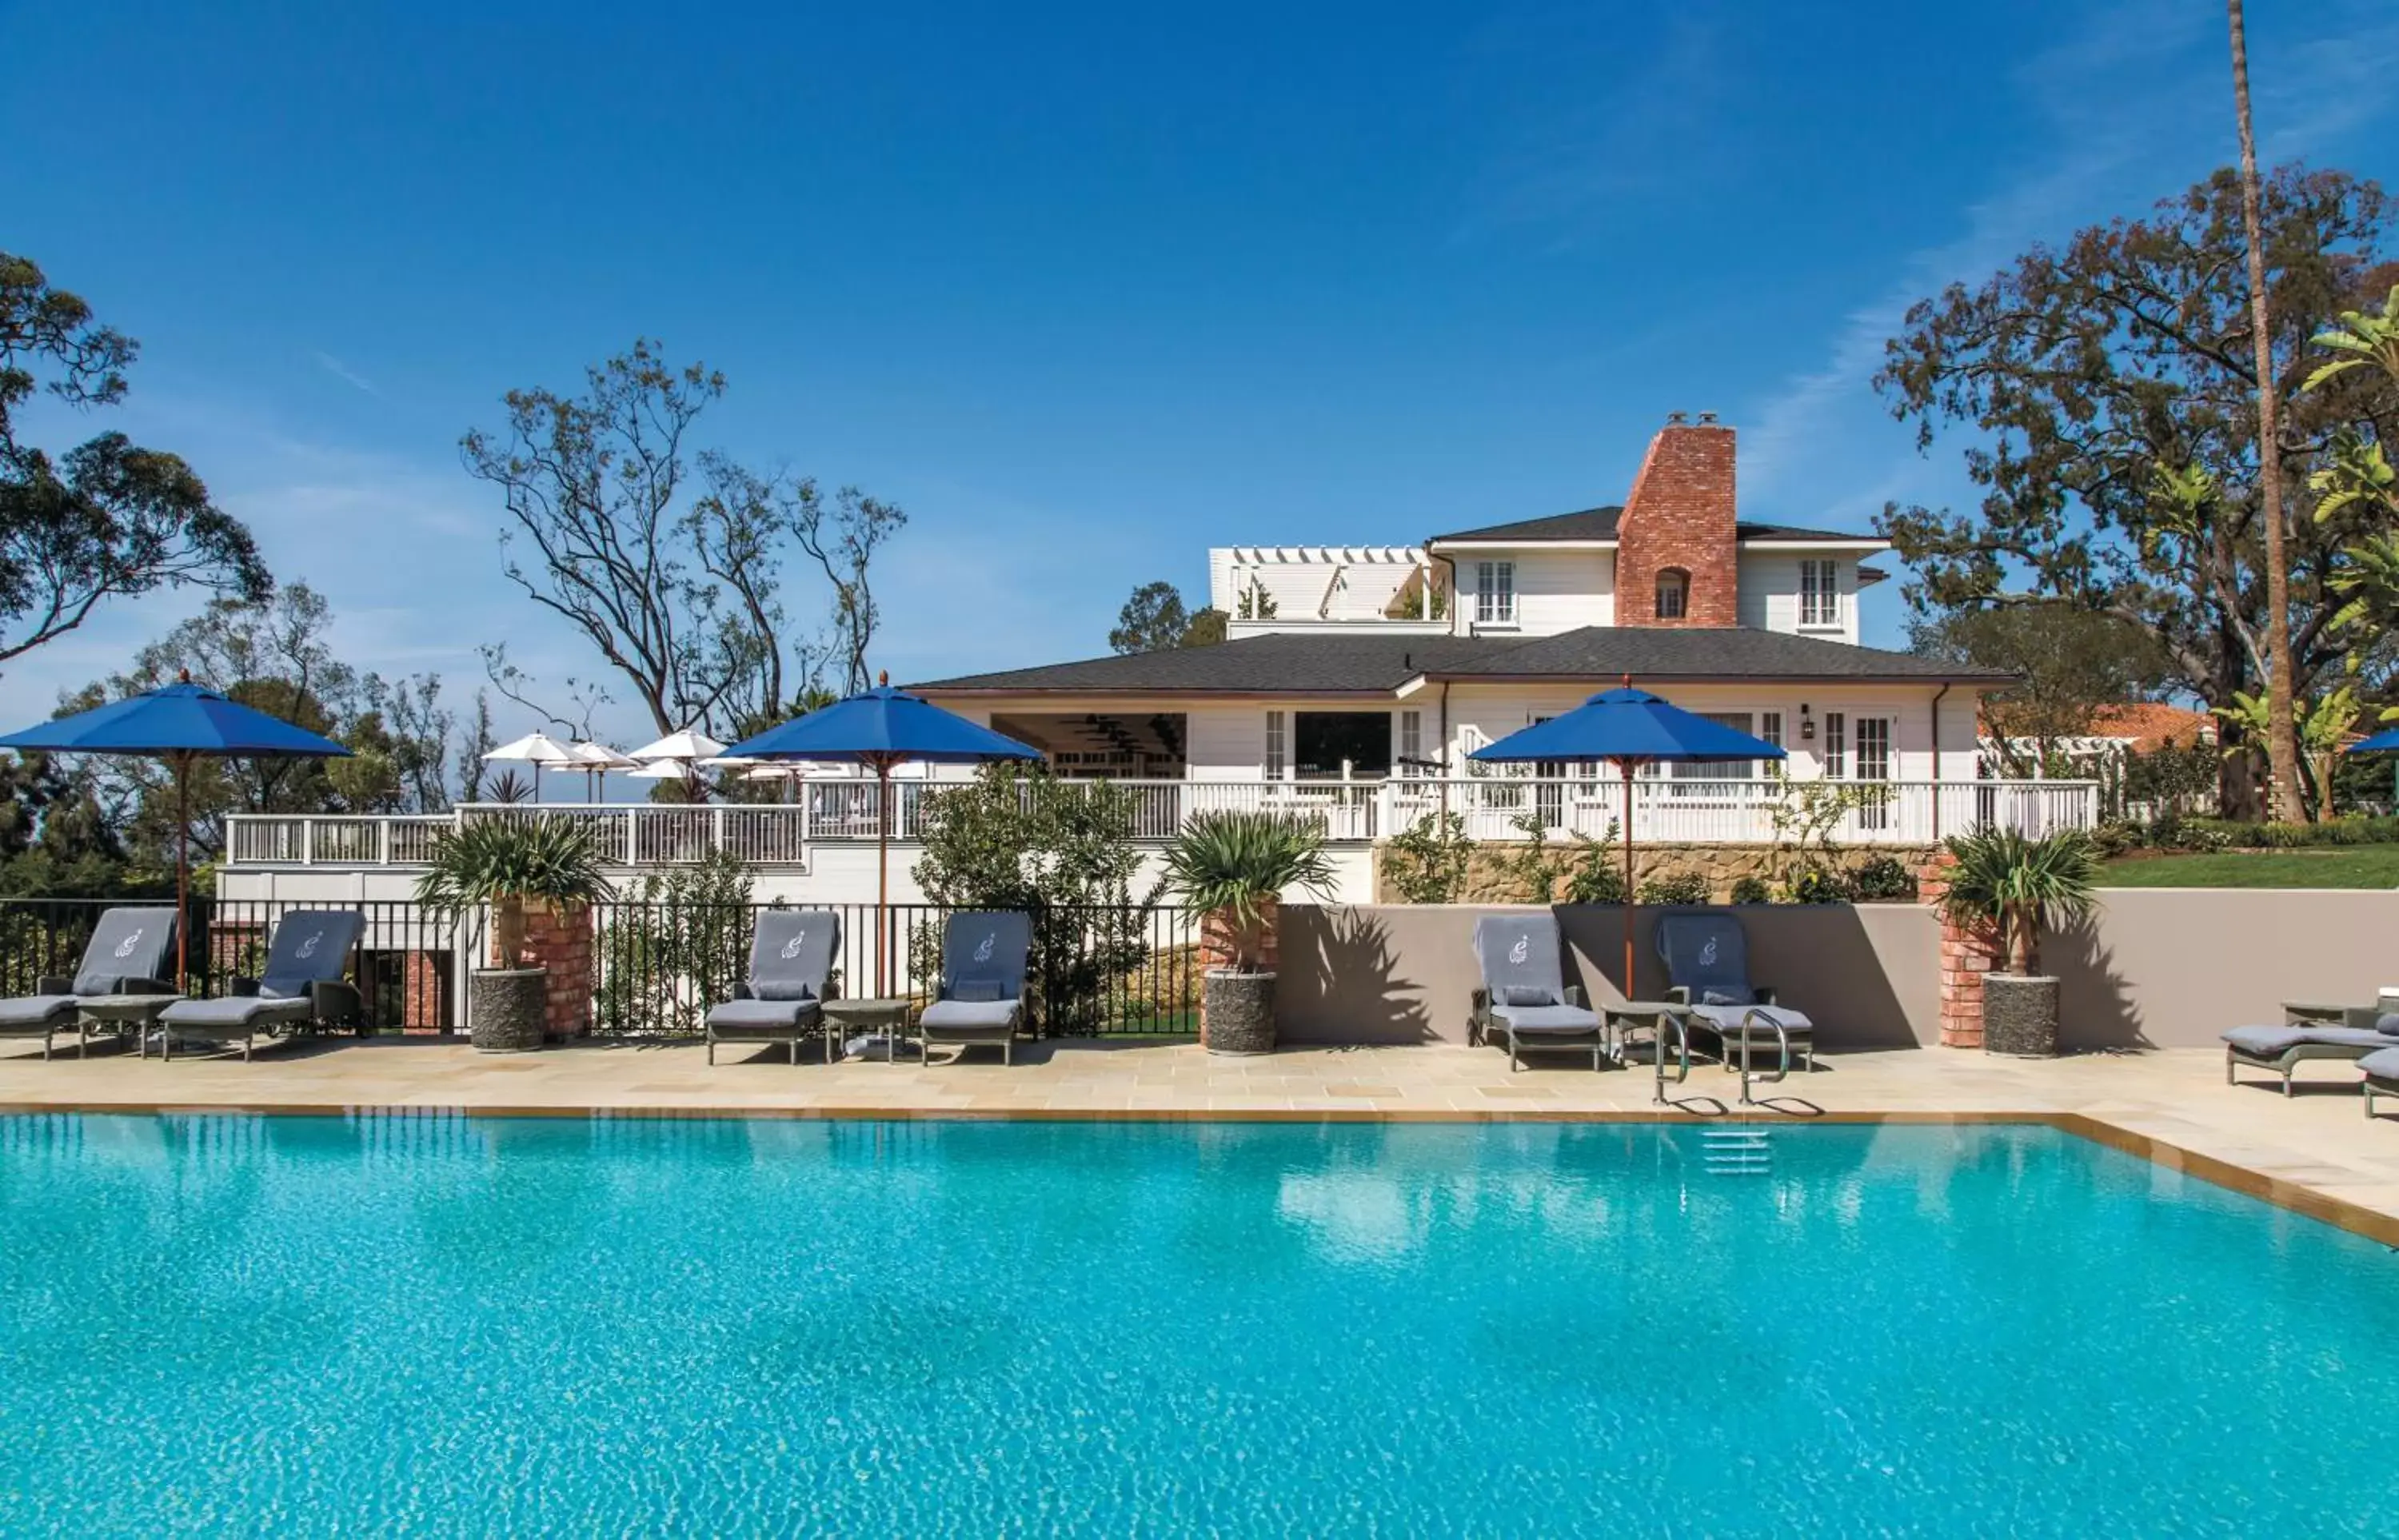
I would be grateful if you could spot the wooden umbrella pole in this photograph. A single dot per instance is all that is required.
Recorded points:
(1629, 992)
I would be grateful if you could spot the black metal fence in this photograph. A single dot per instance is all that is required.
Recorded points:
(656, 967)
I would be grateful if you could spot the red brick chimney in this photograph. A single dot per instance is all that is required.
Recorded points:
(1679, 520)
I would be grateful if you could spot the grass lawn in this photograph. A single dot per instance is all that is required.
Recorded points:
(2349, 866)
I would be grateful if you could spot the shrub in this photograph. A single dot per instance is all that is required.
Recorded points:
(1676, 887)
(1881, 879)
(1815, 885)
(1426, 862)
(1596, 881)
(2294, 836)
(676, 946)
(1752, 891)
(509, 862)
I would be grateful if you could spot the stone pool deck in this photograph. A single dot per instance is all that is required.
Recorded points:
(2314, 1152)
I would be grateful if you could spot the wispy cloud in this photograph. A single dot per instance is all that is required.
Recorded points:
(344, 374)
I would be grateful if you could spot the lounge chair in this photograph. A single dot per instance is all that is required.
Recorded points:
(300, 986)
(791, 957)
(1707, 963)
(980, 997)
(2382, 1069)
(126, 955)
(2305, 1034)
(1524, 996)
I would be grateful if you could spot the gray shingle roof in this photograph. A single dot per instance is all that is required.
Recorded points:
(1600, 524)
(1316, 665)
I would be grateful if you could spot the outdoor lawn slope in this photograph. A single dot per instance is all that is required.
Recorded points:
(2357, 866)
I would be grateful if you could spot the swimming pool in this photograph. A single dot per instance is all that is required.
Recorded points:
(304, 1324)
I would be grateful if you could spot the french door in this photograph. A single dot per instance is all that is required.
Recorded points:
(1871, 760)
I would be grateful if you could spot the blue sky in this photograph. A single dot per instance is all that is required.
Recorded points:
(1087, 288)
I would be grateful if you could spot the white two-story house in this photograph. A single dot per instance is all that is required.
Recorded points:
(1357, 680)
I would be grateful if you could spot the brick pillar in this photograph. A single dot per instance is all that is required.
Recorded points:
(421, 982)
(561, 941)
(1966, 954)
(1217, 949)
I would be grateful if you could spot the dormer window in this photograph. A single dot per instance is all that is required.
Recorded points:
(1495, 593)
(1673, 593)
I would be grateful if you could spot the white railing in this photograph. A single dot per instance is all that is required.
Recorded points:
(1665, 810)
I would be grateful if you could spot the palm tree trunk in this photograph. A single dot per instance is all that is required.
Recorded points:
(2282, 735)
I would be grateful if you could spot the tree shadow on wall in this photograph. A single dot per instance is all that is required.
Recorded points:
(1342, 981)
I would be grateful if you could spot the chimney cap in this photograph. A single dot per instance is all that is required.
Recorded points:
(1707, 419)
(1675, 419)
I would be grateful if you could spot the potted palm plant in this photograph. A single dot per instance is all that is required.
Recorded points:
(510, 864)
(2017, 888)
(1235, 868)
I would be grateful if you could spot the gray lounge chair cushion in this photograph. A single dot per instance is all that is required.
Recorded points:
(2381, 1064)
(1520, 952)
(235, 1012)
(1707, 954)
(984, 956)
(311, 946)
(2388, 1024)
(2274, 1042)
(1546, 1019)
(761, 1015)
(33, 1010)
(791, 954)
(1526, 994)
(127, 943)
(955, 1015)
(1730, 1017)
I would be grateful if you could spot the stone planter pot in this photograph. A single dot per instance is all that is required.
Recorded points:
(507, 1009)
(1238, 1012)
(2020, 1014)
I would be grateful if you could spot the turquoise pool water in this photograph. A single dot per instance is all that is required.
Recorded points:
(311, 1325)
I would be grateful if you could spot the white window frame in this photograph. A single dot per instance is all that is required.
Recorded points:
(1687, 773)
(1820, 593)
(1411, 746)
(1836, 746)
(1681, 590)
(1495, 593)
(1277, 746)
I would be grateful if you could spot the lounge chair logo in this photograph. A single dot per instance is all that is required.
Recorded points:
(125, 948)
(791, 948)
(1708, 953)
(309, 947)
(982, 951)
(1522, 950)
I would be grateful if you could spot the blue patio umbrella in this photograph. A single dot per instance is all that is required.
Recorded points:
(1633, 728)
(879, 729)
(178, 723)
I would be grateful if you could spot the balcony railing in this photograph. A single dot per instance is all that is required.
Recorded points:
(1665, 810)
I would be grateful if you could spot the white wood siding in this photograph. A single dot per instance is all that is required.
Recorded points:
(1769, 593)
(1555, 590)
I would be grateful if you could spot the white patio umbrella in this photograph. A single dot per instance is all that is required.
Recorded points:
(536, 749)
(595, 759)
(688, 744)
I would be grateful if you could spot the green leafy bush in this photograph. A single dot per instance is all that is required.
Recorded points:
(1816, 884)
(1597, 880)
(1676, 887)
(509, 862)
(1426, 862)
(1752, 891)
(2021, 887)
(1881, 879)
(674, 947)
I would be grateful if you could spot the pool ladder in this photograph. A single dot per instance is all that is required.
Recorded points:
(1737, 1152)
